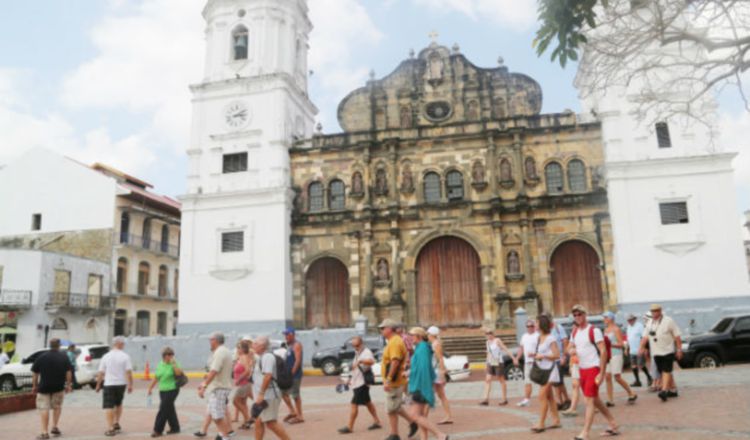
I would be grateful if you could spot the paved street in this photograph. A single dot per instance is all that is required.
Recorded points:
(712, 404)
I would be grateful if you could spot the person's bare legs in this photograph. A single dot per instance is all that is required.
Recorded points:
(56, 413)
(544, 403)
(610, 388)
(393, 421)
(118, 414)
(487, 388)
(44, 415)
(553, 408)
(206, 424)
(109, 414)
(288, 402)
(576, 393)
(353, 416)
(223, 426)
(240, 405)
(416, 412)
(606, 413)
(260, 429)
(527, 391)
(588, 419)
(503, 387)
(298, 407)
(277, 429)
(440, 391)
(374, 413)
(624, 385)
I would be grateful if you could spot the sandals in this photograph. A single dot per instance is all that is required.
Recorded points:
(484, 403)
(445, 422)
(536, 430)
(55, 432)
(632, 399)
(555, 426)
(109, 433)
(610, 433)
(295, 421)
(610, 404)
(374, 426)
(345, 430)
(246, 425)
(503, 403)
(289, 417)
(42, 437)
(117, 427)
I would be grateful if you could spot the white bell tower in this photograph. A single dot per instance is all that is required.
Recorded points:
(235, 268)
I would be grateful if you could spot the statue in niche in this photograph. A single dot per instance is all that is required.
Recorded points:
(514, 263)
(405, 117)
(357, 185)
(383, 271)
(435, 68)
(530, 168)
(299, 203)
(477, 172)
(381, 182)
(506, 171)
(472, 111)
(407, 179)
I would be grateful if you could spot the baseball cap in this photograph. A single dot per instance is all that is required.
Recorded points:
(289, 331)
(578, 308)
(631, 316)
(388, 322)
(609, 315)
(434, 331)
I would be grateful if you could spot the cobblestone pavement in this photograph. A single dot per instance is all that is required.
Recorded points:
(712, 404)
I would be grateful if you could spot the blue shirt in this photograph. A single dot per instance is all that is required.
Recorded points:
(635, 334)
(291, 359)
(559, 333)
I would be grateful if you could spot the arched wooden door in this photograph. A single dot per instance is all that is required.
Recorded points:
(327, 294)
(449, 283)
(576, 278)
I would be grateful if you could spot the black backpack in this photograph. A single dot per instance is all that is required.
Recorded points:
(284, 379)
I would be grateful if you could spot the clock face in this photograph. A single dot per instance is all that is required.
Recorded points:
(237, 114)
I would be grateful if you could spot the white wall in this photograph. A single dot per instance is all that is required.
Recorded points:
(69, 195)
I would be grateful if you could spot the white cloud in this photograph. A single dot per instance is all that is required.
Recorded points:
(518, 15)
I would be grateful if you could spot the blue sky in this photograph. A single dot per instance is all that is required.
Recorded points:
(106, 80)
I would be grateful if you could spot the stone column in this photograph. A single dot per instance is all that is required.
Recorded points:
(369, 304)
(530, 296)
(355, 284)
(393, 197)
(543, 281)
(410, 285)
(491, 165)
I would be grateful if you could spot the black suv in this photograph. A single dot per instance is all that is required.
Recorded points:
(727, 341)
(330, 359)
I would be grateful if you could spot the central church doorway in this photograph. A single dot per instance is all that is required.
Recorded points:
(449, 283)
(327, 294)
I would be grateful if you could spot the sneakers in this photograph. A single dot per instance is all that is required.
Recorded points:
(636, 384)
(345, 430)
(663, 395)
(199, 434)
(524, 402)
(672, 394)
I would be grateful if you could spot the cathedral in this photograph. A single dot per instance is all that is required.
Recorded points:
(448, 199)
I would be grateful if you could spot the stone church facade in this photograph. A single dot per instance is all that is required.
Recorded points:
(449, 199)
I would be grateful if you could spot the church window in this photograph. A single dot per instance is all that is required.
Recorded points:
(576, 176)
(235, 163)
(315, 192)
(336, 195)
(674, 213)
(432, 188)
(553, 174)
(240, 42)
(232, 242)
(662, 135)
(454, 185)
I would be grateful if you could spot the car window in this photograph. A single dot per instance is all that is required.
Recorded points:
(98, 352)
(34, 356)
(743, 325)
(722, 325)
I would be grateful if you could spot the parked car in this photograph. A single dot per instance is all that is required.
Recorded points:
(457, 366)
(18, 375)
(330, 360)
(728, 341)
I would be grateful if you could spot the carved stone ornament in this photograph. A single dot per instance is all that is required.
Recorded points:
(478, 180)
(438, 111)
(358, 186)
(381, 182)
(407, 180)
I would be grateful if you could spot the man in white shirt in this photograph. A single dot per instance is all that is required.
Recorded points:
(527, 347)
(363, 361)
(267, 394)
(218, 384)
(116, 374)
(635, 331)
(587, 342)
(664, 339)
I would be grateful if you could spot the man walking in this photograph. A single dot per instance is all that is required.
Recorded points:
(218, 384)
(267, 394)
(561, 338)
(587, 342)
(527, 347)
(394, 382)
(294, 363)
(363, 362)
(52, 379)
(634, 333)
(116, 373)
(665, 342)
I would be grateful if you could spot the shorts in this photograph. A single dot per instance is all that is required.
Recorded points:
(575, 372)
(394, 399)
(243, 390)
(218, 399)
(615, 364)
(560, 375)
(294, 390)
(527, 373)
(271, 413)
(637, 360)
(361, 396)
(46, 402)
(588, 381)
(664, 364)
(112, 396)
(495, 370)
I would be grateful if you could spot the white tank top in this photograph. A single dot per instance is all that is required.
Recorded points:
(494, 351)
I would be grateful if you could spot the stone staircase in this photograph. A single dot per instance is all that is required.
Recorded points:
(473, 345)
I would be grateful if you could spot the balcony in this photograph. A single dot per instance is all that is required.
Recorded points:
(149, 244)
(13, 300)
(80, 302)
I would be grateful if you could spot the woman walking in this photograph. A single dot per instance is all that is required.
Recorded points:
(441, 373)
(421, 381)
(547, 353)
(495, 367)
(614, 367)
(165, 376)
(243, 369)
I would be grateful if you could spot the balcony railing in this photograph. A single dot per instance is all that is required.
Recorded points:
(149, 244)
(80, 301)
(15, 299)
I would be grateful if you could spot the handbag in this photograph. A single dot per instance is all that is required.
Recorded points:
(539, 375)
(368, 375)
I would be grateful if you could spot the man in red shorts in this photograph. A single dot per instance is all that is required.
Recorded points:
(587, 342)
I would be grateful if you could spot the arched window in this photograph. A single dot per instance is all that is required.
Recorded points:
(144, 272)
(454, 185)
(336, 197)
(163, 272)
(553, 175)
(576, 176)
(122, 275)
(240, 42)
(124, 227)
(432, 192)
(146, 235)
(315, 193)
(165, 238)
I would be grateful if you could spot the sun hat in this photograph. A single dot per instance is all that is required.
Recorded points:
(578, 308)
(434, 331)
(388, 322)
(418, 331)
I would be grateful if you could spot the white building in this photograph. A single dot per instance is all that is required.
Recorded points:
(247, 110)
(672, 206)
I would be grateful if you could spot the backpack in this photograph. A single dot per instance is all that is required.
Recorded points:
(607, 342)
(284, 379)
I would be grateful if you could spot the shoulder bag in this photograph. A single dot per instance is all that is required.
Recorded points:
(539, 375)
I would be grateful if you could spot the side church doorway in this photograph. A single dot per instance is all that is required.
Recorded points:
(576, 278)
(327, 294)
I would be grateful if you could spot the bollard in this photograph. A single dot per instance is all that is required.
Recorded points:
(146, 372)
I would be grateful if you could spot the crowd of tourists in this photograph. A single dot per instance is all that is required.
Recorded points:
(256, 380)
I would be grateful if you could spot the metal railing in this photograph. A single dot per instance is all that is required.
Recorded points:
(80, 301)
(15, 299)
(148, 243)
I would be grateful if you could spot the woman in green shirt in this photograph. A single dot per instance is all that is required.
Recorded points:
(164, 375)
